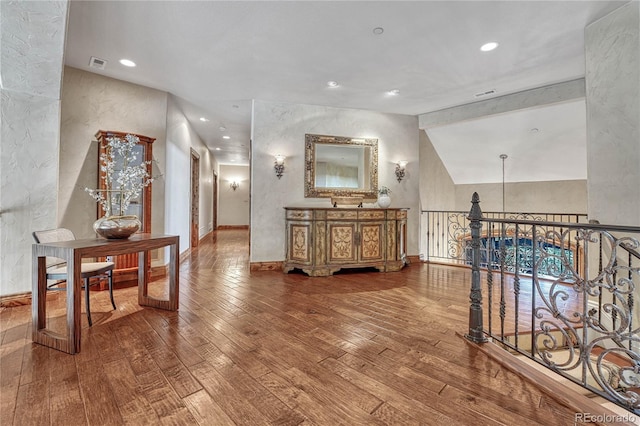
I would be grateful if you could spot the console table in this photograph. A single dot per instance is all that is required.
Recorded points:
(73, 252)
(321, 241)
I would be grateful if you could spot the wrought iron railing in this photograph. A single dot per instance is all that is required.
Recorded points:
(565, 298)
(447, 234)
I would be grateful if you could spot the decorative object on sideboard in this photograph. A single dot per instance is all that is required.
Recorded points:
(400, 166)
(279, 165)
(117, 227)
(384, 200)
(125, 177)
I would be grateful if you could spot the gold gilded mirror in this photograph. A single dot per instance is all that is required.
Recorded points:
(340, 167)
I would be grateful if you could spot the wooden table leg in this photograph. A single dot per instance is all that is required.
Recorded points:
(174, 282)
(143, 286)
(38, 293)
(74, 291)
(69, 342)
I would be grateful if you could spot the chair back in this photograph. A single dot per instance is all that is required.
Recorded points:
(53, 236)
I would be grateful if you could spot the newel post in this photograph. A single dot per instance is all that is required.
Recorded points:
(475, 297)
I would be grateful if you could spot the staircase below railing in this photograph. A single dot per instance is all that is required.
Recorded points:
(562, 294)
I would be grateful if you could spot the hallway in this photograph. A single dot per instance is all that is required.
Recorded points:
(358, 348)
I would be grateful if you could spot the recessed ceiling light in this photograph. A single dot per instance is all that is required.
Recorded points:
(226, 137)
(217, 149)
(378, 30)
(204, 119)
(393, 92)
(487, 47)
(233, 161)
(534, 130)
(222, 128)
(127, 63)
(332, 83)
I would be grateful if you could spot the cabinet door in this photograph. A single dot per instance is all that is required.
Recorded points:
(371, 241)
(299, 242)
(342, 242)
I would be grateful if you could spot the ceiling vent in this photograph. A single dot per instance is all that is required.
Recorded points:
(487, 93)
(97, 63)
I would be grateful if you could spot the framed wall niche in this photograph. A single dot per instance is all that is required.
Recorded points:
(125, 273)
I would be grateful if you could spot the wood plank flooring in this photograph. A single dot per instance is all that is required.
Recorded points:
(265, 348)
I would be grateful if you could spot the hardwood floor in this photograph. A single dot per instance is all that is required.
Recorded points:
(259, 348)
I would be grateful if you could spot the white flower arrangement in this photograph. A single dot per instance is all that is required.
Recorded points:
(384, 190)
(122, 185)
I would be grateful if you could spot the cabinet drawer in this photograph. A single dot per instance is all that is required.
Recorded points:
(371, 214)
(402, 214)
(299, 214)
(344, 214)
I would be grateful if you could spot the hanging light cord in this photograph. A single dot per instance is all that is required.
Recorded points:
(503, 157)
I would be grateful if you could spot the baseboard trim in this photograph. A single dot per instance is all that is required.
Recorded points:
(158, 272)
(414, 259)
(12, 300)
(208, 234)
(265, 266)
(225, 227)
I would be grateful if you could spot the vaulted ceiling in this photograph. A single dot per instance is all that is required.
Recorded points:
(216, 56)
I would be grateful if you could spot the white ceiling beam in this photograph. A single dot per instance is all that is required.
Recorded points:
(554, 93)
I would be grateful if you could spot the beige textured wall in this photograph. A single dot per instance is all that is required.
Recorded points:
(279, 128)
(568, 196)
(612, 46)
(32, 35)
(91, 102)
(437, 190)
(181, 139)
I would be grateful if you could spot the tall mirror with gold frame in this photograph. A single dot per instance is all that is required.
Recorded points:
(341, 167)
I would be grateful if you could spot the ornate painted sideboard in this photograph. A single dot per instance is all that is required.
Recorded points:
(321, 241)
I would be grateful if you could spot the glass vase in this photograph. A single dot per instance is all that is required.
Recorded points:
(117, 227)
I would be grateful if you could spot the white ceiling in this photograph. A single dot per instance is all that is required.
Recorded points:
(216, 56)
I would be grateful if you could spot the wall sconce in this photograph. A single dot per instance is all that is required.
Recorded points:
(234, 185)
(400, 165)
(279, 165)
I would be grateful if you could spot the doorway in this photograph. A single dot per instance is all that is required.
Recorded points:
(195, 199)
(214, 220)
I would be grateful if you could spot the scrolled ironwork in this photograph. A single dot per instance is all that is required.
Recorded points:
(586, 338)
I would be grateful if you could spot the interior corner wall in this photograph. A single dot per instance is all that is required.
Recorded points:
(181, 138)
(92, 102)
(279, 128)
(437, 190)
(612, 51)
(32, 51)
(565, 196)
(233, 208)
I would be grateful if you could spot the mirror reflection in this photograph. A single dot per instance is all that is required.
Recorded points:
(340, 166)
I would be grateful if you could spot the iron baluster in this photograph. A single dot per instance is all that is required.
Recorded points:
(476, 333)
(516, 282)
(614, 312)
(630, 301)
(503, 254)
(534, 279)
(489, 256)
